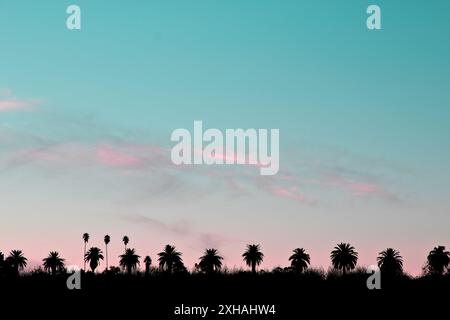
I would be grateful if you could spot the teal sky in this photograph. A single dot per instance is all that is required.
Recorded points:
(363, 118)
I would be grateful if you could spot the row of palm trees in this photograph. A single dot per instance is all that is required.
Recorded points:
(343, 258)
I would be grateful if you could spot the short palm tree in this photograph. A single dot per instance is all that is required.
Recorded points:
(125, 240)
(210, 262)
(148, 262)
(253, 256)
(344, 257)
(86, 240)
(300, 260)
(438, 260)
(169, 258)
(129, 260)
(17, 261)
(390, 262)
(107, 241)
(53, 263)
(93, 256)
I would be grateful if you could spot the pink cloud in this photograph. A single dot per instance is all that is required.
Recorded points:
(355, 187)
(291, 193)
(116, 158)
(8, 105)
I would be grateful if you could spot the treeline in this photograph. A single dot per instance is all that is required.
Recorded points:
(343, 257)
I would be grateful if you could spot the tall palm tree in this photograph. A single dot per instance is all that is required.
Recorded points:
(344, 257)
(390, 262)
(300, 260)
(107, 241)
(253, 256)
(148, 262)
(86, 240)
(438, 260)
(129, 260)
(125, 240)
(93, 256)
(210, 261)
(17, 261)
(53, 262)
(170, 258)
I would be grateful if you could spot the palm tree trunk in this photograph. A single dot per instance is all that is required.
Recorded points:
(106, 257)
(84, 269)
(253, 267)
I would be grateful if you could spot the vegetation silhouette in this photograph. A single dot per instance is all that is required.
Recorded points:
(86, 240)
(148, 262)
(390, 262)
(129, 260)
(300, 260)
(93, 256)
(16, 261)
(253, 256)
(438, 261)
(344, 257)
(107, 240)
(170, 259)
(210, 262)
(125, 240)
(53, 263)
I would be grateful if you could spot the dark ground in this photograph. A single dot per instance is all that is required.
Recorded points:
(294, 296)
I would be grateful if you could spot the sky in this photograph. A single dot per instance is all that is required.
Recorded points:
(86, 117)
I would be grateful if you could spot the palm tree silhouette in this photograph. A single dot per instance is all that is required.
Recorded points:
(93, 256)
(86, 240)
(107, 241)
(390, 262)
(300, 260)
(148, 262)
(253, 256)
(125, 240)
(344, 257)
(53, 262)
(210, 261)
(129, 260)
(170, 258)
(17, 261)
(438, 260)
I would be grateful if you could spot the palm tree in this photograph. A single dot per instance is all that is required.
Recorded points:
(170, 258)
(299, 260)
(93, 256)
(148, 262)
(210, 261)
(438, 260)
(125, 240)
(344, 257)
(107, 241)
(390, 262)
(17, 261)
(86, 240)
(253, 256)
(53, 262)
(129, 260)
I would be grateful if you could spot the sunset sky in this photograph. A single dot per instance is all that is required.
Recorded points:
(86, 117)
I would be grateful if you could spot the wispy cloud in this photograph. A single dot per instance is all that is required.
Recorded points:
(9, 103)
(180, 228)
